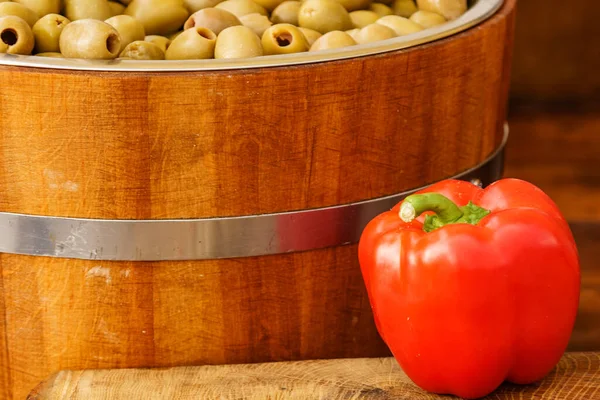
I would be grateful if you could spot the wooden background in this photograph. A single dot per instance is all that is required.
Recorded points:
(555, 125)
(557, 56)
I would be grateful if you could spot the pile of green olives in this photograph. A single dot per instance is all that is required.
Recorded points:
(204, 29)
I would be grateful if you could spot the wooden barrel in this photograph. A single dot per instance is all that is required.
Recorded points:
(231, 144)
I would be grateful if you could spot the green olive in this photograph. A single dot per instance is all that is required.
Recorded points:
(269, 4)
(16, 36)
(427, 19)
(404, 8)
(362, 18)
(91, 39)
(159, 17)
(197, 5)
(324, 16)
(214, 19)
(284, 39)
(140, 50)
(310, 35)
(449, 9)
(400, 25)
(257, 22)
(129, 28)
(241, 7)
(19, 10)
(353, 5)
(47, 33)
(116, 8)
(381, 9)
(162, 42)
(196, 43)
(333, 40)
(51, 55)
(238, 42)
(199, 29)
(286, 13)
(42, 7)
(374, 33)
(87, 9)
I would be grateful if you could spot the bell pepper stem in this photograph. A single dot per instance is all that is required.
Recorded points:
(446, 211)
(417, 204)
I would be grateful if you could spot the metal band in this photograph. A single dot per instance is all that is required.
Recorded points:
(479, 12)
(210, 238)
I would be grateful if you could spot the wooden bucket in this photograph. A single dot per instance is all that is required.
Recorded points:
(210, 216)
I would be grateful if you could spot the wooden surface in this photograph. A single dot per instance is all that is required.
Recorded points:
(85, 314)
(577, 376)
(586, 335)
(557, 57)
(557, 147)
(140, 146)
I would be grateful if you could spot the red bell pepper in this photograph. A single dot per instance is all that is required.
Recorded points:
(482, 288)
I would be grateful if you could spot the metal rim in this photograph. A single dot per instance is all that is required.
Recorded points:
(479, 12)
(209, 238)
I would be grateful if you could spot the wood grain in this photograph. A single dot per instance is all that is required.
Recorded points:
(577, 376)
(69, 314)
(556, 147)
(556, 53)
(586, 335)
(5, 373)
(192, 145)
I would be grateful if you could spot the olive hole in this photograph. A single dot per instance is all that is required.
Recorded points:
(9, 36)
(284, 39)
(112, 43)
(206, 33)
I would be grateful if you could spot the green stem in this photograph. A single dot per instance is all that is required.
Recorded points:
(417, 204)
(446, 211)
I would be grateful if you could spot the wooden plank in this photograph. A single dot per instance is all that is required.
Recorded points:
(556, 53)
(50, 323)
(557, 149)
(577, 376)
(586, 335)
(5, 375)
(78, 314)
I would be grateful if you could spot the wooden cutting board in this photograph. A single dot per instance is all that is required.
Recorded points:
(576, 377)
